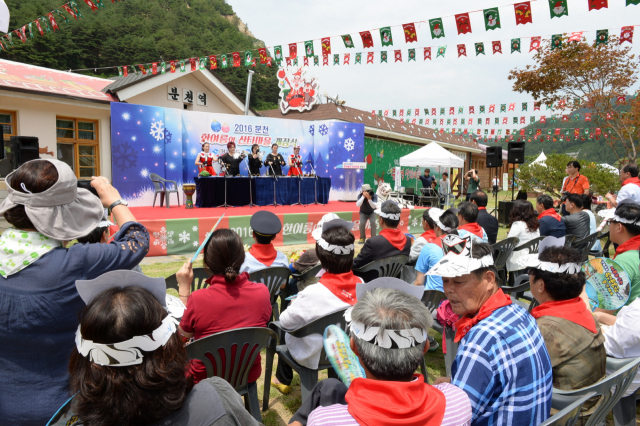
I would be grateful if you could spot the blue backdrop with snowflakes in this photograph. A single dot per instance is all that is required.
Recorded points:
(167, 142)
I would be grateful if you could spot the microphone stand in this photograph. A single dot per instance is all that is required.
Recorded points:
(226, 172)
(299, 203)
(246, 159)
(275, 179)
(315, 184)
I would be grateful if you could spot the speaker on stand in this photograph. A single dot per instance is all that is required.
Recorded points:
(515, 155)
(494, 160)
(23, 149)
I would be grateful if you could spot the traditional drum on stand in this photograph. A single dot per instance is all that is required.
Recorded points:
(189, 189)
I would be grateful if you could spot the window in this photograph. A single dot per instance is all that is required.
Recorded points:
(78, 145)
(8, 121)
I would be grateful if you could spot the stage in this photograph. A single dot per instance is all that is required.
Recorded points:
(178, 230)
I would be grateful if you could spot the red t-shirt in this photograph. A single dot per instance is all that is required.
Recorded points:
(226, 306)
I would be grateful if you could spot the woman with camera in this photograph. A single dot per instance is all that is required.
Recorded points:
(367, 201)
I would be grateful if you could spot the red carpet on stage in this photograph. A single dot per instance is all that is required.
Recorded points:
(180, 231)
(175, 212)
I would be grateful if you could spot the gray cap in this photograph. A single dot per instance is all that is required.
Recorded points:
(366, 187)
(63, 212)
(392, 283)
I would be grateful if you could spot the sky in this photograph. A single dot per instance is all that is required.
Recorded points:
(452, 81)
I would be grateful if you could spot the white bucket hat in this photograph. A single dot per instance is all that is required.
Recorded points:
(63, 212)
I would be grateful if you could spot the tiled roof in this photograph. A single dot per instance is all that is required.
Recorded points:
(124, 82)
(331, 111)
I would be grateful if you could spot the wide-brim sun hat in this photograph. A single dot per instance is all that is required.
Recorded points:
(63, 212)
(317, 233)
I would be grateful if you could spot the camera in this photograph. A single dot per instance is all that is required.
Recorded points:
(564, 196)
(370, 192)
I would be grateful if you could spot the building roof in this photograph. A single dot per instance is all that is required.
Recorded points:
(16, 76)
(390, 128)
(119, 83)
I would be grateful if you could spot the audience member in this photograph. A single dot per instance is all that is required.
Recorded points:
(444, 189)
(485, 220)
(630, 191)
(523, 225)
(593, 226)
(577, 221)
(574, 182)
(468, 219)
(265, 226)
(472, 179)
(428, 236)
(551, 223)
(336, 290)
(622, 337)
(128, 367)
(445, 223)
(522, 195)
(624, 230)
(427, 179)
(230, 301)
(391, 393)
(390, 242)
(39, 303)
(368, 202)
(501, 362)
(571, 334)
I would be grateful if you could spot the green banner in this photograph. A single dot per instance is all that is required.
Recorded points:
(241, 224)
(296, 228)
(182, 236)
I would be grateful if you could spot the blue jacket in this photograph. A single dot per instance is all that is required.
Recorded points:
(553, 227)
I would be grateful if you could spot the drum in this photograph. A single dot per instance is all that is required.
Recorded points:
(189, 189)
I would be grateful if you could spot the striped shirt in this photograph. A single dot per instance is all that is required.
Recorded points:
(503, 366)
(457, 410)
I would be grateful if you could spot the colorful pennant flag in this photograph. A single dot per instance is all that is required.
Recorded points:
(427, 53)
(515, 45)
(535, 43)
(293, 50)
(308, 49)
(558, 8)
(598, 4)
(386, 37)
(383, 56)
(496, 47)
(367, 41)
(602, 37)
(491, 18)
(626, 35)
(556, 41)
(479, 48)
(441, 51)
(463, 23)
(412, 55)
(462, 50)
(326, 45)
(523, 13)
(410, 34)
(437, 29)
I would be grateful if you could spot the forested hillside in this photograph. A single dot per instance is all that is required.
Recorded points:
(131, 32)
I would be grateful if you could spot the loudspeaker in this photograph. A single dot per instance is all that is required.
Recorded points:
(23, 149)
(504, 211)
(516, 153)
(494, 156)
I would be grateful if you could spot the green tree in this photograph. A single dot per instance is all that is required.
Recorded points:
(548, 177)
(141, 31)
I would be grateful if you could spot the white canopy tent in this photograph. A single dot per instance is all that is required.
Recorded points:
(541, 159)
(432, 155)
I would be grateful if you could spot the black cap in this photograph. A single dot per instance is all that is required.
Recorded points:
(265, 223)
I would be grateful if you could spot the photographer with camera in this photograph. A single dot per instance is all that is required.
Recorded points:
(473, 182)
(367, 201)
(574, 183)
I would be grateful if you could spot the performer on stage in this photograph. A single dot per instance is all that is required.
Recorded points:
(255, 160)
(274, 160)
(295, 162)
(205, 160)
(232, 159)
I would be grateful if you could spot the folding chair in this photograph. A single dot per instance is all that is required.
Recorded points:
(387, 267)
(584, 245)
(160, 187)
(230, 355)
(273, 278)
(569, 415)
(199, 277)
(501, 252)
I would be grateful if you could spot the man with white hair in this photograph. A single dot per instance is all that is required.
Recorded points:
(388, 335)
(502, 362)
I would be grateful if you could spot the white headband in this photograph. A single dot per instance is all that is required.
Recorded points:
(533, 261)
(390, 216)
(129, 352)
(617, 218)
(389, 339)
(454, 265)
(334, 248)
(434, 214)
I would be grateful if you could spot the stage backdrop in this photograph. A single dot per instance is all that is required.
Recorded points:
(166, 142)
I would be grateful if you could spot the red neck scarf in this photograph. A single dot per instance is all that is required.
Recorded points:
(550, 212)
(630, 244)
(264, 253)
(633, 180)
(380, 403)
(430, 235)
(395, 237)
(343, 286)
(474, 228)
(464, 324)
(482, 208)
(574, 310)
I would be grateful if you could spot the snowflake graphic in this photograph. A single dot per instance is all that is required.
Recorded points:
(323, 129)
(124, 156)
(194, 229)
(156, 149)
(414, 222)
(340, 134)
(172, 166)
(167, 136)
(144, 173)
(157, 130)
(349, 144)
(133, 138)
(184, 237)
(196, 243)
(163, 238)
(311, 130)
(126, 116)
(193, 151)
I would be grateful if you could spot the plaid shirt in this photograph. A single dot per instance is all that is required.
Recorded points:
(504, 367)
